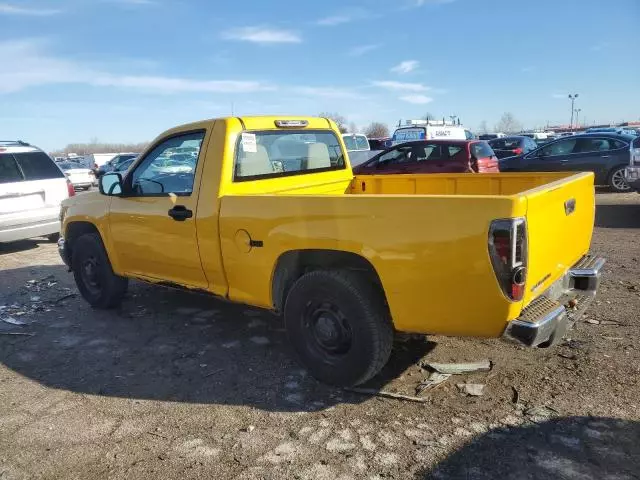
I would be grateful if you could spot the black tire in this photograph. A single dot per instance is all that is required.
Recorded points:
(615, 182)
(93, 273)
(339, 326)
(54, 237)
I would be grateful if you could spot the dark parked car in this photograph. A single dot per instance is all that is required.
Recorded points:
(605, 154)
(433, 156)
(113, 164)
(512, 146)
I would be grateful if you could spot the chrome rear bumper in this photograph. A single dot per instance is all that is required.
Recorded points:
(546, 320)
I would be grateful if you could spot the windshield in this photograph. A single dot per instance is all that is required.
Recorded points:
(281, 153)
(409, 134)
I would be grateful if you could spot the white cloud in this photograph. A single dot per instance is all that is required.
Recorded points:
(327, 92)
(345, 16)
(401, 86)
(334, 20)
(417, 99)
(10, 9)
(363, 49)
(32, 67)
(405, 67)
(262, 35)
(420, 3)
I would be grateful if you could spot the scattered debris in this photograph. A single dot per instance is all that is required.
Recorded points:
(382, 393)
(515, 398)
(459, 368)
(35, 298)
(248, 429)
(592, 321)
(157, 435)
(62, 299)
(541, 413)
(613, 338)
(471, 389)
(433, 381)
(13, 321)
(214, 372)
(568, 356)
(610, 323)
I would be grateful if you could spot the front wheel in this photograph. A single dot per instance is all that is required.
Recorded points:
(617, 181)
(93, 273)
(339, 326)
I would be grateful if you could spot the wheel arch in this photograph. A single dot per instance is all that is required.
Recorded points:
(73, 231)
(291, 265)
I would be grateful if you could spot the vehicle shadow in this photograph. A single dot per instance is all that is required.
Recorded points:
(162, 344)
(618, 216)
(21, 245)
(563, 448)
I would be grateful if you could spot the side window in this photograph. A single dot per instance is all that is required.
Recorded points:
(586, 145)
(481, 150)
(169, 170)
(362, 143)
(37, 166)
(561, 147)
(9, 171)
(395, 156)
(350, 142)
(616, 144)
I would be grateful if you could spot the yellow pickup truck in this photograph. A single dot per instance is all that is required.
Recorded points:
(266, 211)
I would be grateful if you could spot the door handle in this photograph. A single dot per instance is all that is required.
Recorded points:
(180, 213)
(604, 156)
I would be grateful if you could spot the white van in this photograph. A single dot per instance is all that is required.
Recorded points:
(428, 131)
(31, 189)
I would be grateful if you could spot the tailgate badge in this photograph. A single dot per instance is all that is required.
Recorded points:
(570, 206)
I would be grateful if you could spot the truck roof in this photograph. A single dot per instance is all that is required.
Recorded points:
(260, 122)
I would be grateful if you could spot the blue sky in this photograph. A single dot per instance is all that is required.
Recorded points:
(125, 70)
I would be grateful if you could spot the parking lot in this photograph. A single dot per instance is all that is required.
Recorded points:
(179, 385)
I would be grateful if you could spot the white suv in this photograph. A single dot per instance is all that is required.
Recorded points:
(31, 189)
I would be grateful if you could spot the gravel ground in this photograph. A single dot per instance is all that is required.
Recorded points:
(176, 385)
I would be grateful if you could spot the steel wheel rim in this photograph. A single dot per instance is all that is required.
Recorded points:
(618, 180)
(90, 274)
(327, 331)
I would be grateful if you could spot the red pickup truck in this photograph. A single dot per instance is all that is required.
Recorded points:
(433, 156)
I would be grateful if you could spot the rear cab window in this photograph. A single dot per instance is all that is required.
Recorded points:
(278, 153)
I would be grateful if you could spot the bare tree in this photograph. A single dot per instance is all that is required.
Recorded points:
(483, 127)
(340, 120)
(96, 147)
(508, 124)
(377, 130)
(353, 128)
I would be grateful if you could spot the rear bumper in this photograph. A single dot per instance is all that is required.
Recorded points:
(546, 320)
(632, 176)
(39, 228)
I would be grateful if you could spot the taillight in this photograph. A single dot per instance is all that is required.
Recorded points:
(508, 253)
(70, 189)
(517, 151)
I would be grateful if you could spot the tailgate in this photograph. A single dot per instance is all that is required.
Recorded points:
(560, 218)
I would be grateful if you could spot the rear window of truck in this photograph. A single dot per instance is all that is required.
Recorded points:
(268, 154)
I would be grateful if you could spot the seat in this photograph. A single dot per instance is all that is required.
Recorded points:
(254, 163)
(318, 156)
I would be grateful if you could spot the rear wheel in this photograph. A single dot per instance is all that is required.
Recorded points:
(93, 273)
(339, 326)
(617, 182)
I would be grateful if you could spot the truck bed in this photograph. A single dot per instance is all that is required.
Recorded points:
(426, 236)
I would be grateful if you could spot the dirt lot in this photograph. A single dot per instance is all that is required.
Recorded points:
(176, 385)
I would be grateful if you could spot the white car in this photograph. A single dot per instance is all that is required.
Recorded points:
(31, 190)
(79, 176)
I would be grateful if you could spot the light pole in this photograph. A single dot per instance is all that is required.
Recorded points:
(573, 99)
(577, 110)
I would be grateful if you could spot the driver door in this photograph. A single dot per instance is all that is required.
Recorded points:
(153, 225)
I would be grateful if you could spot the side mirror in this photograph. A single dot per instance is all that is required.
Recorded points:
(110, 184)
